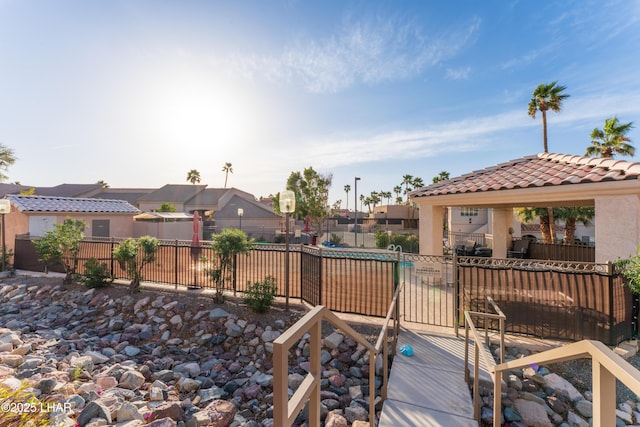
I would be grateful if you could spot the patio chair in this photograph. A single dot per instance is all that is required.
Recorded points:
(466, 249)
(520, 249)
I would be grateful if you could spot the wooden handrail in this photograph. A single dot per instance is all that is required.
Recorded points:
(470, 326)
(606, 365)
(285, 410)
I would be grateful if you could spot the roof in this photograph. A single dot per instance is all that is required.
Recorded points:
(542, 170)
(164, 216)
(173, 193)
(70, 190)
(70, 204)
(251, 208)
(131, 195)
(209, 196)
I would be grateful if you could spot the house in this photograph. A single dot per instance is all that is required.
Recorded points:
(543, 180)
(35, 215)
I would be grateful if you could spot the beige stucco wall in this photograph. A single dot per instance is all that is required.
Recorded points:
(180, 230)
(430, 230)
(617, 236)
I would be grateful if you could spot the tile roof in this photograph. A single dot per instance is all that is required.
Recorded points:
(544, 169)
(70, 204)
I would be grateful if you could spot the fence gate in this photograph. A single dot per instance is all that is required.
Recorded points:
(429, 296)
(310, 275)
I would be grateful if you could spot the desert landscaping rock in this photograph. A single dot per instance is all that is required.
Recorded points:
(156, 360)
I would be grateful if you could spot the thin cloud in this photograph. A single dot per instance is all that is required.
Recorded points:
(462, 135)
(363, 52)
(457, 74)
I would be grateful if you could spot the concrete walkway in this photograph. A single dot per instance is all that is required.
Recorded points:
(428, 389)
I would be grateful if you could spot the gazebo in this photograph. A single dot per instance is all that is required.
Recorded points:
(544, 180)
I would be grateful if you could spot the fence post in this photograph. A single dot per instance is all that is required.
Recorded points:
(456, 299)
(612, 325)
(111, 247)
(320, 276)
(175, 268)
(235, 266)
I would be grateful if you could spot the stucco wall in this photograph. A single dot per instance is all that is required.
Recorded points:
(618, 231)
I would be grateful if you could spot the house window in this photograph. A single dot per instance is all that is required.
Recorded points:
(468, 211)
(100, 228)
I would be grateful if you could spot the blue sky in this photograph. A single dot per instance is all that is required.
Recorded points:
(137, 93)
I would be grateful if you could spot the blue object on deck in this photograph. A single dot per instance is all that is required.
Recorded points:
(406, 349)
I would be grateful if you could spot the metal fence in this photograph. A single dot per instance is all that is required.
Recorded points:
(547, 299)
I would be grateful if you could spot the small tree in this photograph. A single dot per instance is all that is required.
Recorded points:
(167, 207)
(226, 246)
(132, 255)
(62, 246)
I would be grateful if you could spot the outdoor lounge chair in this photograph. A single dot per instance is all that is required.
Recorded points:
(466, 249)
(520, 249)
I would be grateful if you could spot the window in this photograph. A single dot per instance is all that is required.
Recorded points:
(468, 211)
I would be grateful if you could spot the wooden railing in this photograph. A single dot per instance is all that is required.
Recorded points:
(606, 367)
(469, 326)
(285, 410)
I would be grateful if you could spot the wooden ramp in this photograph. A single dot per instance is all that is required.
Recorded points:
(428, 389)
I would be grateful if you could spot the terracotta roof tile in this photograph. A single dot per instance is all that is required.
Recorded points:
(545, 169)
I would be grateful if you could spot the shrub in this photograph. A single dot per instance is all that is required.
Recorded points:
(62, 246)
(382, 239)
(226, 246)
(127, 256)
(14, 402)
(335, 239)
(630, 270)
(260, 295)
(96, 274)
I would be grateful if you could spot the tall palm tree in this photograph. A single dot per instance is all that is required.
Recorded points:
(103, 183)
(375, 198)
(407, 180)
(226, 169)
(398, 189)
(611, 139)
(417, 182)
(546, 97)
(386, 195)
(347, 188)
(193, 176)
(7, 158)
(362, 198)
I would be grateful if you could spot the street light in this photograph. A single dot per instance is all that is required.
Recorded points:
(287, 205)
(355, 227)
(240, 215)
(5, 208)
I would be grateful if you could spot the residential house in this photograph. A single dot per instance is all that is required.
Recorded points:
(35, 215)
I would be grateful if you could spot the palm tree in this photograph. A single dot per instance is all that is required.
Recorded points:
(386, 195)
(375, 198)
(407, 180)
(528, 215)
(226, 169)
(398, 189)
(442, 176)
(103, 183)
(546, 97)
(362, 198)
(193, 176)
(417, 182)
(7, 158)
(571, 216)
(347, 188)
(611, 139)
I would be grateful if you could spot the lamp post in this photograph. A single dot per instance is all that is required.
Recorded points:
(240, 215)
(287, 205)
(5, 208)
(355, 226)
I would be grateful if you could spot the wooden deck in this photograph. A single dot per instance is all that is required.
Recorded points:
(428, 389)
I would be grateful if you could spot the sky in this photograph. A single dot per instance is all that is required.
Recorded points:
(138, 93)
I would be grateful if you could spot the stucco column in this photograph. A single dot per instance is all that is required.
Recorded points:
(617, 227)
(501, 221)
(430, 231)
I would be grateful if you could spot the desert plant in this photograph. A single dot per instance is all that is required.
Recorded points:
(62, 246)
(226, 246)
(96, 274)
(21, 408)
(7, 260)
(335, 239)
(629, 268)
(382, 239)
(259, 296)
(133, 255)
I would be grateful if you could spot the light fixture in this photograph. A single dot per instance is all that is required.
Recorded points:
(287, 204)
(240, 215)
